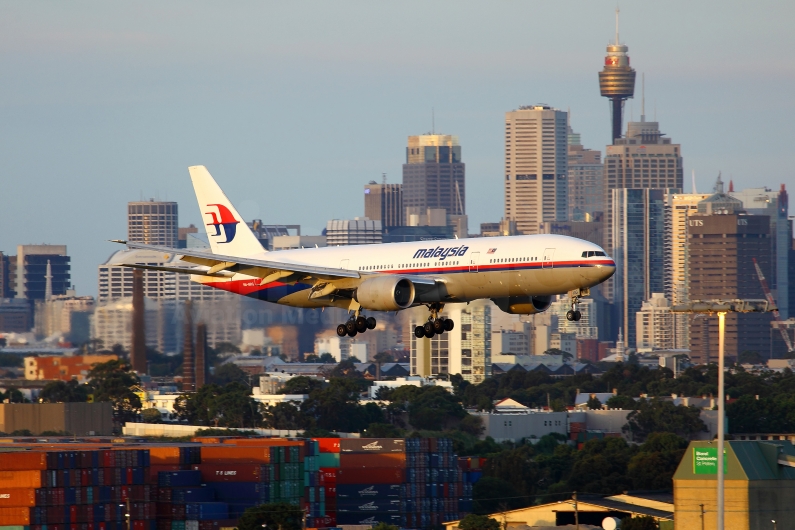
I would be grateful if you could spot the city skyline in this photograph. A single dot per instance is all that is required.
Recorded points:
(117, 105)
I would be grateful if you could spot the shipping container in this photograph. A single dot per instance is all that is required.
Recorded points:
(372, 445)
(368, 491)
(179, 478)
(12, 516)
(328, 445)
(235, 472)
(371, 475)
(23, 460)
(235, 455)
(350, 460)
(22, 479)
(17, 497)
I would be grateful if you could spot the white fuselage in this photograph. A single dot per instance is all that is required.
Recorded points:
(468, 269)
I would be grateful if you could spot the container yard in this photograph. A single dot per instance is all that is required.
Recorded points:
(208, 483)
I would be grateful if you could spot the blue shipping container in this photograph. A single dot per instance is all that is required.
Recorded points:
(186, 495)
(206, 511)
(364, 506)
(179, 478)
(232, 491)
(368, 491)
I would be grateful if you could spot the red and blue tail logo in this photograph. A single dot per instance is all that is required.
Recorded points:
(227, 221)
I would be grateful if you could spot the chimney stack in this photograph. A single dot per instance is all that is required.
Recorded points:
(201, 355)
(188, 367)
(138, 343)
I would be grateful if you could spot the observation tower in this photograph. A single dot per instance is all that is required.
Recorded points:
(617, 80)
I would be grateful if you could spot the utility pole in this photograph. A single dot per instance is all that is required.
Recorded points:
(702, 516)
(576, 511)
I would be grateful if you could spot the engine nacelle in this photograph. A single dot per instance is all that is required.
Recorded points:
(386, 293)
(523, 305)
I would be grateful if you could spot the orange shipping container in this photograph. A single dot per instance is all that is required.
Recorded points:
(14, 516)
(264, 442)
(163, 455)
(20, 479)
(17, 497)
(234, 454)
(23, 461)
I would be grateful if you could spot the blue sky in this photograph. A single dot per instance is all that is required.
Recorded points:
(294, 106)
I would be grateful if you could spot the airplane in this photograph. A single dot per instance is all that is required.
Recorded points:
(520, 274)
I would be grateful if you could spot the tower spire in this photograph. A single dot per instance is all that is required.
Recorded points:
(617, 10)
(48, 284)
(643, 96)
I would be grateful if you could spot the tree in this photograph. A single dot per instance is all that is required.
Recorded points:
(227, 373)
(113, 381)
(346, 368)
(311, 358)
(285, 416)
(472, 425)
(272, 516)
(490, 493)
(383, 357)
(384, 526)
(327, 358)
(621, 401)
(336, 407)
(644, 522)
(555, 351)
(227, 406)
(655, 464)
(13, 395)
(663, 416)
(65, 392)
(383, 430)
(478, 522)
(151, 415)
(594, 403)
(301, 385)
(434, 408)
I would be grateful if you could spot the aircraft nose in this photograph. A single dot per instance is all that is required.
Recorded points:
(607, 270)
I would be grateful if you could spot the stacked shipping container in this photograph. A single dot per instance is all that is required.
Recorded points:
(410, 483)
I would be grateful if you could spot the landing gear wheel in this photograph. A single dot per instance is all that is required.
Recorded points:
(361, 324)
(429, 331)
(570, 315)
(577, 316)
(342, 330)
(419, 332)
(438, 326)
(448, 324)
(350, 326)
(371, 323)
(352, 333)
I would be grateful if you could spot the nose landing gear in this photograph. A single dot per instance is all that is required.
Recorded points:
(436, 325)
(574, 315)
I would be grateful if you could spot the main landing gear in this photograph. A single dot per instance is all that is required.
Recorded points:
(436, 325)
(574, 315)
(356, 324)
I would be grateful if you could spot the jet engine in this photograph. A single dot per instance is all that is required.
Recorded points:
(523, 305)
(386, 293)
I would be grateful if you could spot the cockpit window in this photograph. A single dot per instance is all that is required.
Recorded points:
(592, 253)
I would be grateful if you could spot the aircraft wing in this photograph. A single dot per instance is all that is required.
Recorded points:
(221, 265)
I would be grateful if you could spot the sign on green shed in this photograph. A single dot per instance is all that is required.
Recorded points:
(705, 460)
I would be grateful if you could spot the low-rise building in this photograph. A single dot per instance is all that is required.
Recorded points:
(72, 418)
(510, 421)
(63, 368)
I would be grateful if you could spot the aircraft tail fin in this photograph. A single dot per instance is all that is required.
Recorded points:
(227, 231)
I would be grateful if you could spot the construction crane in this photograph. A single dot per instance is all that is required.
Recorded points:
(772, 302)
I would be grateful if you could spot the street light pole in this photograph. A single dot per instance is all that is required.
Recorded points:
(721, 307)
(721, 406)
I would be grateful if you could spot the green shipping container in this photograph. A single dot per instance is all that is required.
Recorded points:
(328, 460)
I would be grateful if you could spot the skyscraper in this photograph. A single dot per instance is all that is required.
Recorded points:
(644, 159)
(678, 209)
(153, 223)
(536, 167)
(586, 180)
(617, 81)
(721, 248)
(384, 202)
(433, 176)
(31, 270)
(639, 237)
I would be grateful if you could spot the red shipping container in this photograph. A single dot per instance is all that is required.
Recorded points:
(372, 475)
(394, 460)
(328, 445)
(328, 475)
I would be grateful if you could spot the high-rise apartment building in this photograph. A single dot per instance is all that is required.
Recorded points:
(721, 249)
(356, 231)
(678, 208)
(433, 176)
(31, 271)
(466, 350)
(586, 327)
(639, 248)
(586, 180)
(654, 327)
(153, 223)
(384, 202)
(536, 167)
(644, 159)
(774, 204)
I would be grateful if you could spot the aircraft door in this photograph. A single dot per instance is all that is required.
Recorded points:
(344, 264)
(547, 263)
(474, 260)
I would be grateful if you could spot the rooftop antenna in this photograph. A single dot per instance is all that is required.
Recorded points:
(643, 97)
(655, 109)
(693, 178)
(617, 25)
(433, 120)
(383, 178)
